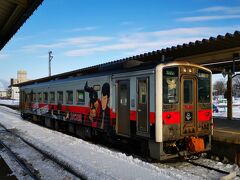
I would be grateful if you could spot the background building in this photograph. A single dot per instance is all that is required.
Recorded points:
(3, 94)
(14, 91)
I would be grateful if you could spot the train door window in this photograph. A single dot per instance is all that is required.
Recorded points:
(80, 96)
(142, 96)
(39, 97)
(142, 106)
(170, 85)
(28, 97)
(52, 97)
(69, 98)
(188, 84)
(45, 96)
(60, 97)
(25, 97)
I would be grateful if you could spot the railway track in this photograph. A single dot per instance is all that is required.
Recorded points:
(28, 166)
(203, 167)
(223, 173)
(19, 161)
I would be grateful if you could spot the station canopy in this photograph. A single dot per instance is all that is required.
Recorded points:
(13, 14)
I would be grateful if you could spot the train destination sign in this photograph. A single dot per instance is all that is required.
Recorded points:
(171, 72)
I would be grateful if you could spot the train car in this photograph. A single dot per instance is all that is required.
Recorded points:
(167, 107)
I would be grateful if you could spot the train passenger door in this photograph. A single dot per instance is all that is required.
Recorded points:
(142, 106)
(123, 111)
(188, 105)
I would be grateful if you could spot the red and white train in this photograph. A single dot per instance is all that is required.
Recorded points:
(166, 107)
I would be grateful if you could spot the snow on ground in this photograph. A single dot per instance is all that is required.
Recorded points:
(91, 160)
(43, 167)
(13, 102)
(222, 112)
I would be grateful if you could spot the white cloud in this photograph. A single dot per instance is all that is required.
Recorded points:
(23, 38)
(141, 42)
(213, 13)
(208, 18)
(83, 41)
(81, 29)
(140, 46)
(148, 41)
(138, 42)
(221, 9)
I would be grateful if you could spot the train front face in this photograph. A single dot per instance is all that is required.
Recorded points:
(185, 108)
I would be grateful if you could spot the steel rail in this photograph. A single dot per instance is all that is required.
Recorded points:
(208, 167)
(19, 161)
(48, 156)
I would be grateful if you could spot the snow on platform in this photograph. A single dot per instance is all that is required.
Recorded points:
(11, 102)
(91, 160)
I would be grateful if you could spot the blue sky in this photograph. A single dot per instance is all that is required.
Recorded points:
(90, 32)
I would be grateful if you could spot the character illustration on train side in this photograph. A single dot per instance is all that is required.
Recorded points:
(99, 112)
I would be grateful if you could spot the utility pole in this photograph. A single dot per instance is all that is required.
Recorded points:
(49, 61)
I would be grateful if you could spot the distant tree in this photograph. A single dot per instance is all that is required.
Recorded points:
(236, 85)
(219, 87)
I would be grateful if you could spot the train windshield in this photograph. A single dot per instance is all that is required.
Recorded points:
(170, 85)
(203, 86)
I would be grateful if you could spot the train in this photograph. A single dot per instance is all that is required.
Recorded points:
(165, 107)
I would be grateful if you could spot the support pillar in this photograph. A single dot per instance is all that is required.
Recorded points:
(229, 97)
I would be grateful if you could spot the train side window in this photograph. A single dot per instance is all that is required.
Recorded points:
(60, 97)
(45, 94)
(204, 86)
(96, 87)
(39, 97)
(52, 97)
(69, 98)
(80, 96)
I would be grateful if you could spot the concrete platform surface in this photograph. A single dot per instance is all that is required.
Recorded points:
(226, 130)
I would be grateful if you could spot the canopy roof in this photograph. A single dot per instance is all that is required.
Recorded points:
(13, 14)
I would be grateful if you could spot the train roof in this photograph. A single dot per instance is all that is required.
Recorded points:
(155, 57)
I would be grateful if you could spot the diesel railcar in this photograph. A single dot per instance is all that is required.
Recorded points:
(168, 106)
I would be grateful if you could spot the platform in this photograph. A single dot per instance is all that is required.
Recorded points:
(226, 139)
(226, 130)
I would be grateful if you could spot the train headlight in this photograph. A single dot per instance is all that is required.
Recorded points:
(184, 70)
(190, 70)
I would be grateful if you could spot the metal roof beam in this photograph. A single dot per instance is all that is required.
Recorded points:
(12, 19)
(22, 3)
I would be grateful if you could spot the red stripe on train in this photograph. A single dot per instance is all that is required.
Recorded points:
(204, 115)
(85, 110)
(171, 117)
